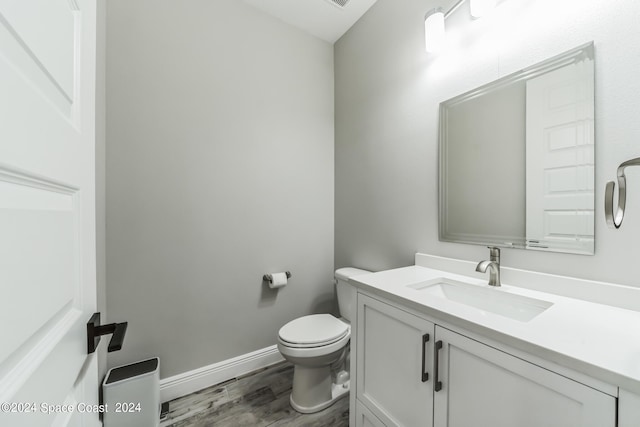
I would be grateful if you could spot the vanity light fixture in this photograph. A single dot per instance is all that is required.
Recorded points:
(479, 8)
(434, 33)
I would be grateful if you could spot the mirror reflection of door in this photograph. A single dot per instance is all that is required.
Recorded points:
(560, 159)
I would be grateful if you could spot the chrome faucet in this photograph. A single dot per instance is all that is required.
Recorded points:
(493, 264)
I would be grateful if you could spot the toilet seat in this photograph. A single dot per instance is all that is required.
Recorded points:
(316, 330)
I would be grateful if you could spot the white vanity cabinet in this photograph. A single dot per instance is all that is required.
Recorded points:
(391, 379)
(483, 386)
(480, 385)
(366, 418)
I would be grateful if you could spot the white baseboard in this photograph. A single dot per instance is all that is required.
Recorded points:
(191, 381)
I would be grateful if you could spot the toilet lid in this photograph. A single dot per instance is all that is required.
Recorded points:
(315, 329)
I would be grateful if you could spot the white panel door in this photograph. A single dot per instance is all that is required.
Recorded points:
(560, 159)
(394, 350)
(47, 213)
(482, 386)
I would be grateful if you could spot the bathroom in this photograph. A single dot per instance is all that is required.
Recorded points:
(231, 144)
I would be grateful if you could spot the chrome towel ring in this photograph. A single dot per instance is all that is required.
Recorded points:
(615, 220)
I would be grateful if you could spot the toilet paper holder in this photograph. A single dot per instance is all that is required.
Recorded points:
(269, 277)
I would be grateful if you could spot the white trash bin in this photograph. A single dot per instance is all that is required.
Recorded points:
(131, 394)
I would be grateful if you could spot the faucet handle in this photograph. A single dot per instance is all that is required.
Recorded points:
(494, 253)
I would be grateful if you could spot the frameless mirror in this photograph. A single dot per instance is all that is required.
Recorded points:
(517, 159)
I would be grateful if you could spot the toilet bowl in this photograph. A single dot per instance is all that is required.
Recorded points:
(318, 345)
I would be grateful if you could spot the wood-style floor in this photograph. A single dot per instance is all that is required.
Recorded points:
(258, 399)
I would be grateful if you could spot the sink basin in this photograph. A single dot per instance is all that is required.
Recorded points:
(486, 299)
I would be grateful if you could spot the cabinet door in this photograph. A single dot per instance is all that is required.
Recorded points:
(482, 386)
(365, 418)
(395, 349)
(628, 409)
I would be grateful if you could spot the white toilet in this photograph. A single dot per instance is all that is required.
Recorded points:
(317, 343)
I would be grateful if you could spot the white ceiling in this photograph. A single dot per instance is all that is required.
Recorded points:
(322, 18)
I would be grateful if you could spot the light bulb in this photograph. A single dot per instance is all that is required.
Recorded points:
(480, 8)
(434, 30)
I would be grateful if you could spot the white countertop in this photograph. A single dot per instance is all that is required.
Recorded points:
(598, 340)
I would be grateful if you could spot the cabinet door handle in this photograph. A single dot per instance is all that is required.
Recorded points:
(437, 384)
(425, 374)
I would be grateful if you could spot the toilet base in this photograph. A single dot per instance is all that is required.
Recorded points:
(337, 391)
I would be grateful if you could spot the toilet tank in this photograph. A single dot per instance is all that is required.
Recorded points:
(346, 292)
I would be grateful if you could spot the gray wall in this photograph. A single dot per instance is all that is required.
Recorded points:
(485, 174)
(387, 96)
(219, 169)
(386, 152)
